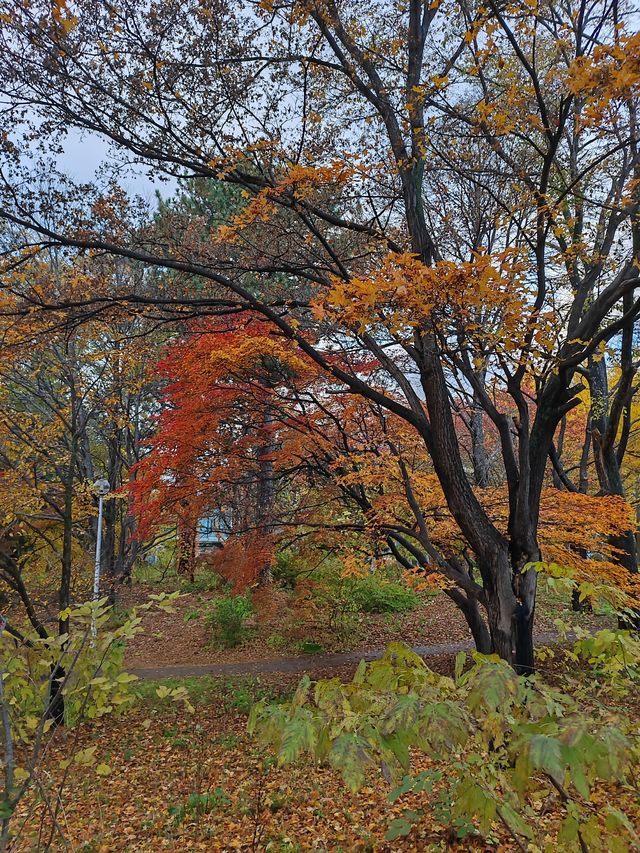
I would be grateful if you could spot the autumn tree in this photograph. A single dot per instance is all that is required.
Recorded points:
(346, 476)
(74, 406)
(212, 454)
(351, 133)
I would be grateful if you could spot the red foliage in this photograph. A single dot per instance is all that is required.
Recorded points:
(243, 560)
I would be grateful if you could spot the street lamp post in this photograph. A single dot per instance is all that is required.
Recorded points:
(102, 488)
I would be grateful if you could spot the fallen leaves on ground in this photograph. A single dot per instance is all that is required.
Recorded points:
(182, 638)
(200, 783)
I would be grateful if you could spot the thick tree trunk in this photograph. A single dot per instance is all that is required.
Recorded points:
(501, 605)
(524, 658)
(511, 611)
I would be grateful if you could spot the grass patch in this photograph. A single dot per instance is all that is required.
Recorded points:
(238, 694)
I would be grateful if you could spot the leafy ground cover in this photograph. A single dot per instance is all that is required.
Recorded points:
(180, 771)
(281, 628)
(198, 781)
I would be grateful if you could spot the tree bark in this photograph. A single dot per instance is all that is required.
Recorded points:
(265, 496)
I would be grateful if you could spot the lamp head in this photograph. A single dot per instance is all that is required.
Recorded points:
(102, 487)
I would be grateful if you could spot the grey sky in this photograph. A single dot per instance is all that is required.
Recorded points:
(85, 154)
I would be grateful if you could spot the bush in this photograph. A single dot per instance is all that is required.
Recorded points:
(330, 605)
(277, 642)
(228, 619)
(373, 594)
(286, 569)
(68, 680)
(205, 580)
(334, 602)
(505, 749)
(310, 647)
(198, 805)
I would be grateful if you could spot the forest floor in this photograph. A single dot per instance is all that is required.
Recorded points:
(183, 781)
(164, 762)
(281, 631)
(199, 782)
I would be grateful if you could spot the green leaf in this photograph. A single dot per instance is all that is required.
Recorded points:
(351, 756)
(474, 801)
(126, 678)
(399, 828)
(21, 775)
(545, 754)
(401, 654)
(590, 833)
(580, 781)
(400, 748)
(515, 821)
(617, 820)
(298, 736)
(103, 770)
(569, 828)
(302, 692)
(360, 673)
(403, 714)
(407, 785)
(85, 756)
(492, 686)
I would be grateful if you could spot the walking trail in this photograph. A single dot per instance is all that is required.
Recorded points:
(302, 664)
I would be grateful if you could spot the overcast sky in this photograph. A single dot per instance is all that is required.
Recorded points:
(83, 156)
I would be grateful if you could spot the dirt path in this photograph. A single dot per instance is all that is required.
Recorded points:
(302, 664)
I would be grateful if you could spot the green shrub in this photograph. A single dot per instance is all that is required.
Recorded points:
(373, 594)
(280, 643)
(68, 680)
(119, 616)
(310, 647)
(204, 581)
(228, 619)
(339, 600)
(241, 694)
(198, 805)
(335, 608)
(286, 569)
(504, 748)
(277, 642)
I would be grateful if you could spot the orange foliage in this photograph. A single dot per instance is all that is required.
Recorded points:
(234, 392)
(242, 560)
(217, 416)
(610, 74)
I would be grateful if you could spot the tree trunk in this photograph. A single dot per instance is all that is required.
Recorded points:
(511, 610)
(111, 516)
(501, 606)
(265, 496)
(56, 699)
(55, 709)
(478, 449)
(473, 615)
(186, 556)
(606, 459)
